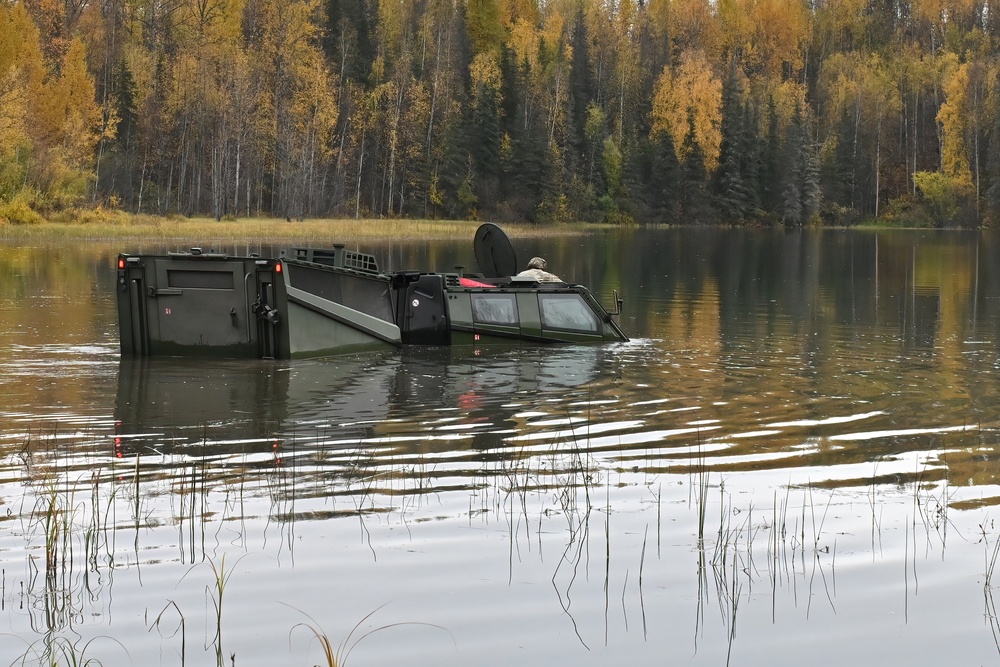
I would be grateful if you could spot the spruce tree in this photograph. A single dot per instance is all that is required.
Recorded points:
(694, 187)
(801, 194)
(769, 187)
(512, 91)
(116, 171)
(484, 135)
(581, 94)
(794, 174)
(662, 185)
(529, 175)
(733, 198)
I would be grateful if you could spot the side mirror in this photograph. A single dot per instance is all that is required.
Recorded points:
(618, 304)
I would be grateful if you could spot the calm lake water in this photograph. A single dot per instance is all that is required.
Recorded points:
(794, 461)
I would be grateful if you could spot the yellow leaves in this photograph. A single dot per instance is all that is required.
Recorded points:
(861, 86)
(931, 11)
(83, 115)
(484, 70)
(394, 15)
(208, 21)
(57, 120)
(67, 114)
(527, 35)
(13, 110)
(553, 27)
(291, 27)
(378, 69)
(416, 115)
(486, 78)
(691, 92)
(941, 14)
(65, 128)
(20, 48)
(659, 13)
(837, 23)
(944, 194)
(314, 105)
(766, 35)
(693, 25)
(50, 18)
(20, 73)
(952, 117)
(526, 10)
(142, 65)
(787, 96)
(524, 41)
(484, 25)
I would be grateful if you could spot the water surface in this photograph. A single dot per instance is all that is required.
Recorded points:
(794, 459)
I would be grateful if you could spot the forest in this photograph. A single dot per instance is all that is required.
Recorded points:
(737, 112)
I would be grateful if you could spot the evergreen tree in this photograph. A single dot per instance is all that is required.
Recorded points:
(734, 198)
(695, 204)
(512, 91)
(451, 182)
(769, 185)
(117, 170)
(530, 170)
(662, 190)
(484, 143)
(801, 194)
(750, 157)
(581, 94)
(123, 95)
(839, 174)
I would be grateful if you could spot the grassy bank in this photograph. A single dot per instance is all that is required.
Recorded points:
(263, 230)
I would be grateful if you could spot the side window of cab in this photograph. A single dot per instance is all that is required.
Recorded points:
(494, 308)
(567, 311)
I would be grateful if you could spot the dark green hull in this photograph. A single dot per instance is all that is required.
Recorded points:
(318, 302)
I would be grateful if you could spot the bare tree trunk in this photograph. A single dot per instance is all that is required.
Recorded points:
(142, 181)
(916, 107)
(361, 162)
(236, 179)
(878, 162)
(854, 151)
(393, 142)
(976, 105)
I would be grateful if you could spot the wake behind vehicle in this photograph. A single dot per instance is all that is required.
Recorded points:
(317, 301)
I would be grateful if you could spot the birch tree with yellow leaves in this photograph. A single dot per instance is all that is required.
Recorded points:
(514, 110)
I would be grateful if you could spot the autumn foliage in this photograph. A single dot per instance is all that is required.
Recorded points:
(787, 112)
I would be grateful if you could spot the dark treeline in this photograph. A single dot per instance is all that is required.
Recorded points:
(696, 111)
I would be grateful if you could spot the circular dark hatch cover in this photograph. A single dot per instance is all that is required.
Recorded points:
(494, 253)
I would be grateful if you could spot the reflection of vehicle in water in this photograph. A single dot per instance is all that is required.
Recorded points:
(487, 389)
(237, 407)
(311, 302)
(235, 404)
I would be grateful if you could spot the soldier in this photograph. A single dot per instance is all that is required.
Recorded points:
(536, 272)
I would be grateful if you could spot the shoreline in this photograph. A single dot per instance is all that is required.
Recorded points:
(270, 230)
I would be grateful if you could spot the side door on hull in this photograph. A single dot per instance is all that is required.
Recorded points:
(201, 303)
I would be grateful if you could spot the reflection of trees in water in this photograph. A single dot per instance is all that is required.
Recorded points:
(558, 446)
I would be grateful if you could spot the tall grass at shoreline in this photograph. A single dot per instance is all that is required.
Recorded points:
(266, 230)
(549, 489)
